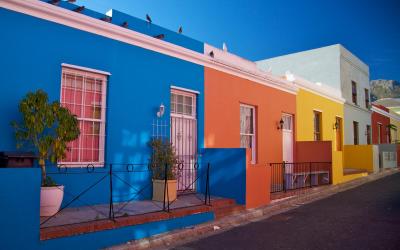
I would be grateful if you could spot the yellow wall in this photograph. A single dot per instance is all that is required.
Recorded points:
(395, 134)
(307, 102)
(361, 157)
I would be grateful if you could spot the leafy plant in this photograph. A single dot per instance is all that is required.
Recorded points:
(163, 155)
(46, 128)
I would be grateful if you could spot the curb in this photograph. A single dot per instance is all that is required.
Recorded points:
(186, 235)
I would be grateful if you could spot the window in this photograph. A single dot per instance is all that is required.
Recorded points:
(379, 133)
(354, 92)
(338, 134)
(183, 103)
(317, 126)
(355, 133)
(368, 134)
(366, 92)
(248, 130)
(84, 94)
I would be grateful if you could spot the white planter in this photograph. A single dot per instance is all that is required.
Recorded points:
(50, 200)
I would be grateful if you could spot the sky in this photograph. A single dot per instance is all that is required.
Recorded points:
(259, 29)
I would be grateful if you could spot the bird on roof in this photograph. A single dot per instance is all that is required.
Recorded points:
(79, 9)
(71, 1)
(211, 54)
(160, 36)
(55, 2)
(125, 24)
(180, 30)
(148, 18)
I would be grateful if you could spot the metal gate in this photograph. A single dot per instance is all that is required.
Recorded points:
(184, 138)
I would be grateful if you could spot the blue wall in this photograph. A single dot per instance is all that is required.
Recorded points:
(140, 82)
(227, 172)
(20, 205)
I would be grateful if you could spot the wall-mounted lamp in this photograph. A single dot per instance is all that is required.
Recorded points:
(280, 125)
(161, 110)
(336, 125)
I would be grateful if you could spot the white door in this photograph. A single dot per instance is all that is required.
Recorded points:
(287, 137)
(184, 137)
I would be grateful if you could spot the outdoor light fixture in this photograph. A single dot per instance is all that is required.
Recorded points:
(161, 110)
(280, 125)
(336, 125)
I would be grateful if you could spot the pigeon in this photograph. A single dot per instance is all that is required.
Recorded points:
(160, 36)
(148, 18)
(55, 2)
(180, 30)
(71, 1)
(125, 24)
(211, 54)
(79, 9)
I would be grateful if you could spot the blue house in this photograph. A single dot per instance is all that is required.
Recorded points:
(127, 80)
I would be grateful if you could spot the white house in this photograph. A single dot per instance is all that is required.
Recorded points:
(337, 67)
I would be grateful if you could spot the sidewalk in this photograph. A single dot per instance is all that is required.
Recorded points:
(180, 237)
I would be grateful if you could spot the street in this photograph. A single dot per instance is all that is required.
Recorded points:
(366, 217)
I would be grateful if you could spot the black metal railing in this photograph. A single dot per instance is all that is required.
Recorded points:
(119, 189)
(298, 175)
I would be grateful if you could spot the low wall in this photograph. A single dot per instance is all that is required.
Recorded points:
(387, 155)
(227, 172)
(20, 207)
(313, 151)
(363, 157)
(258, 183)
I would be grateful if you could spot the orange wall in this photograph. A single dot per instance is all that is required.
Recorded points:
(223, 95)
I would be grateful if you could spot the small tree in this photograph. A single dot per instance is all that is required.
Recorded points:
(163, 155)
(46, 128)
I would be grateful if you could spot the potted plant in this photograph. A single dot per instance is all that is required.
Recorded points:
(163, 163)
(46, 128)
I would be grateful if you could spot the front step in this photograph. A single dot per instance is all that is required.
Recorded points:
(225, 207)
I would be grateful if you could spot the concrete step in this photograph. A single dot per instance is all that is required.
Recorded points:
(228, 210)
(222, 202)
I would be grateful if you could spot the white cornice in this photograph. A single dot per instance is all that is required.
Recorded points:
(321, 90)
(384, 113)
(79, 21)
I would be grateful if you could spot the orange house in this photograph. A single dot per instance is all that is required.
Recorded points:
(252, 109)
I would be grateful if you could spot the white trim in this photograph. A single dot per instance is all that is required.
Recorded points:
(318, 110)
(76, 20)
(185, 90)
(384, 113)
(321, 90)
(254, 135)
(71, 66)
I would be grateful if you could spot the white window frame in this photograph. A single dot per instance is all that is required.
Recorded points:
(194, 103)
(380, 126)
(103, 76)
(254, 135)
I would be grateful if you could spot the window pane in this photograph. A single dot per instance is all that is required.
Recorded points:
(187, 110)
(188, 100)
(246, 120)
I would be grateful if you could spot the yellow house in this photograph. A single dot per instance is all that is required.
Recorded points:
(395, 127)
(319, 117)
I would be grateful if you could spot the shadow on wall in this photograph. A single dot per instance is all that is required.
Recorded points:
(227, 172)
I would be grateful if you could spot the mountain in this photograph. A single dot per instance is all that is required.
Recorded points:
(384, 89)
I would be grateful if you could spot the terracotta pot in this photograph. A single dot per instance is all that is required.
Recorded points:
(50, 200)
(158, 190)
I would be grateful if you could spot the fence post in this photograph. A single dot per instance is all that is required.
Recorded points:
(207, 194)
(310, 163)
(111, 210)
(284, 176)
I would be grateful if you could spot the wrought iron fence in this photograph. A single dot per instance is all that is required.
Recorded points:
(287, 176)
(123, 190)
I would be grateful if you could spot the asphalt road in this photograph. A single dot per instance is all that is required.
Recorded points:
(367, 217)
